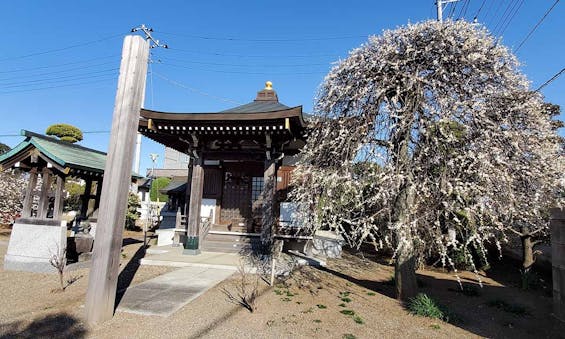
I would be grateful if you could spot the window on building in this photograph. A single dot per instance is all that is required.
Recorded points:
(256, 188)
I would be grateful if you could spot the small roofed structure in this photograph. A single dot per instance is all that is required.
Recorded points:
(40, 232)
(238, 162)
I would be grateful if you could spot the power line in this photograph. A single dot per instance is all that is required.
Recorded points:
(87, 132)
(557, 75)
(240, 72)
(507, 11)
(59, 65)
(251, 55)
(480, 8)
(202, 37)
(195, 90)
(254, 65)
(56, 72)
(512, 16)
(60, 86)
(536, 26)
(62, 48)
(58, 79)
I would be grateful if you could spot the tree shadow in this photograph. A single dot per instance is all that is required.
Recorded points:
(51, 326)
(127, 274)
(499, 309)
(130, 241)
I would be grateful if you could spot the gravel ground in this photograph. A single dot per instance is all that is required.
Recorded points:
(307, 305)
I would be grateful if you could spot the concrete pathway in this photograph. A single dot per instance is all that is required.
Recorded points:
(166, 294)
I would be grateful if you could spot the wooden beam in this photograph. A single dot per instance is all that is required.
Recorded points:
(28, 200)
(196, 189)
(58, 207)
(103, 277)
(43, 205)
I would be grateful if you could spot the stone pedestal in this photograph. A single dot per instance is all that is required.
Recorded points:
(326, 244)
(32, 244)
(557, 225)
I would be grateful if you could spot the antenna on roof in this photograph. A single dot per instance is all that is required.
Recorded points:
(147, 31)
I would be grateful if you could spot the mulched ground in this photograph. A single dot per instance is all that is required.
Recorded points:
(351, 298)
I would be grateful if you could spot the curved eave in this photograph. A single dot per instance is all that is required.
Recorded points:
(223, 116)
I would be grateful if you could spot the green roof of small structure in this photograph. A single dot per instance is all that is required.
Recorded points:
(62, 153)
(257, 107)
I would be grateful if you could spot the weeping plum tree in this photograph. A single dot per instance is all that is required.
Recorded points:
(428, 142)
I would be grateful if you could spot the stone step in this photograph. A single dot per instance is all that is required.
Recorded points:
(229, 237)
(225, 247)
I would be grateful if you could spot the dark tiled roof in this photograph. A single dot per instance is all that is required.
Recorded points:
(257, 107)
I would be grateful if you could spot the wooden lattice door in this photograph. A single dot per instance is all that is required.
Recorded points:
(236, 199)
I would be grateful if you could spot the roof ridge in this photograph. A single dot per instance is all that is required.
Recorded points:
(30, 134)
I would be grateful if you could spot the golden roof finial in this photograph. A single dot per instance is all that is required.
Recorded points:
(268, 85)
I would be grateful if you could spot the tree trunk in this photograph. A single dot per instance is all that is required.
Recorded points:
(527, 253)
(405, 273)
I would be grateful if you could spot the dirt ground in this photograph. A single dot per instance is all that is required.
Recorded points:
(307, 305)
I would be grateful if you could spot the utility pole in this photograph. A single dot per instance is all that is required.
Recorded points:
(103, 276)
(439, 6)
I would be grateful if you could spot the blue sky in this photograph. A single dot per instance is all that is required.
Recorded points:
(59, 59)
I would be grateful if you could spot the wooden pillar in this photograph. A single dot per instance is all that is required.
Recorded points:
(85, 198)
(97, 198)
(43, 206)
(186, 206)
(103, 277)
(58, 207)
(28, 200)
(193, 223)
(268, 197)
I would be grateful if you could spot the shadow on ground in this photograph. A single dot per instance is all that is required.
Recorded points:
(497, 310)
(51, 326)
(128, 273)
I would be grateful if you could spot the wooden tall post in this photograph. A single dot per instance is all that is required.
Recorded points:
(43, 206)
(28, 200)
(191, 245)
(58, 206)
(269, 195)
(85, 199)
(103, 278)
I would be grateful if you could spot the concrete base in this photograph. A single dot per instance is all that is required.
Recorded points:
(326, 244)
(191, 252)
(32, 244)
(165, 236)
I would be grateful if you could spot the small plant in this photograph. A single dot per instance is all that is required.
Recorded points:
(424, 306)
(247, 289)
(358, 319)
(278, 292)
(344, 294)
(371, 294)
(349, 336)
(342, 305)
(347, 312)
(286, 299)
(320, 306)
(59, 261)
(435, 326)
(515, 309)
(346, 299)
(317, 321)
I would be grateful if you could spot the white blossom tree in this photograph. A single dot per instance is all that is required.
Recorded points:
(11, 192)
(429, 142)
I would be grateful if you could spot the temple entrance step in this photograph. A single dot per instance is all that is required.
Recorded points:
(228, 228)
(229, 242)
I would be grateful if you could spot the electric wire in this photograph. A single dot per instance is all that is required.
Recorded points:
(59, 86)
(202, 37)
(480, 8)
(59, 65)
(239, 72)
(553, 78)
(62, 48)
(56, 72)
(512, 17)
(536, 26)
(58, 79)
(502, 19)
(195, 90)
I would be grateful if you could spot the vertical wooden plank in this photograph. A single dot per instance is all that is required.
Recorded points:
(43, 206)
(197, 187)
(58, 207)
(85, 198)
(268, 197)
(28, 200)
(101, 293)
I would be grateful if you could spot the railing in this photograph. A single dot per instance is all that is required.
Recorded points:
(205, 225)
